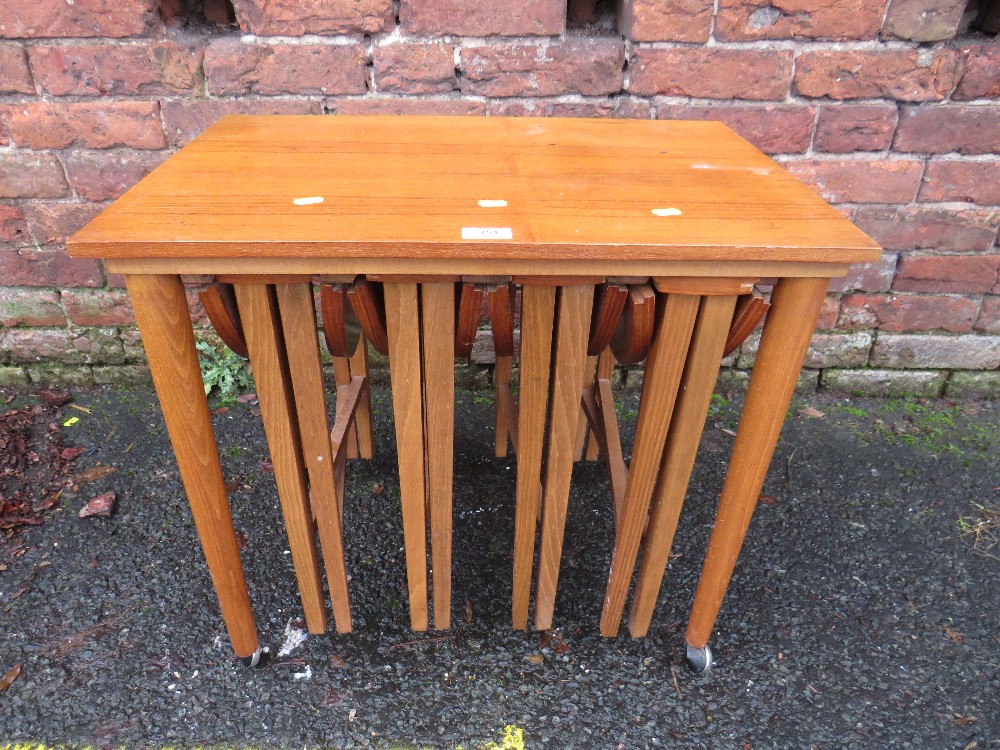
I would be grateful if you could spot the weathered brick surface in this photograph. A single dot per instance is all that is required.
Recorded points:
(923, 20)
(618, 107)
(367, 106)
(30, 307)
(868, 277)
(53, 223)
(666, 20)
(31, 176)
(741, 20)
(855, 127)
(927, 384)
(137, 375)
(910, 76)
(980, 73)
(773, 128)
(47, 266)
(825, 350)
(415, 68)
(973, 385)
(88, 18)
(166, 67)
(61, 344)
(88, 124)
(184, 120)
(899, 313)
(989, 315)
(973, 274)
(104, 307)
(13, 227)
(100, 176)
(13, 376)
(711, 73)
(15, 78)
(235, 67)
(588, 67)
(929, 228)
(971, 181)
(828, 314)
(938, 130)
(900, 350)
(860, 181)
(511, 18)
(299, 17)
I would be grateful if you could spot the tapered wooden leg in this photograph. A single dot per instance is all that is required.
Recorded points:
(268, 358)
(502, 374)
(589, 371)
(342, 377)
(402, 314)
(675, 317)
(700, 373)
(161, 311)
(537, 316)
(298, 321)
(605, 370)
(795, 305)
(363, 416)
(570, 358)
(437, 302)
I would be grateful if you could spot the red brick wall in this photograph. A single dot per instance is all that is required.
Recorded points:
(889, 108)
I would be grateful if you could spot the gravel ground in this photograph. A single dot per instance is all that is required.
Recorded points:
(859, 615)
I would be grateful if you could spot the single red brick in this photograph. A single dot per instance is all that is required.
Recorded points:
(47, 266)
(928, 228)
(415, 68)
(511, 18)
(30, 307)
(970, 181)
(847, 20)
(989, 315)
(861, 181)
(657, 21)
(773, 128)
(576, 66)
(13, 227)
(711, 73)
(939, 130)
(847, 128)
(299, 17)
(15, 78)
(104, 307)
(235, 67)
(166, 67)
(636, 109)
(907, 75)
(827, 320)
(962, 274)
(184, 119)
(100, 176)
(923, 20)
(980, 73)
(890, 312)
(53, 223)
(89, 124)
(87, 18)
(31, 176)
(867, 277)
(967, 352)
(399, 106)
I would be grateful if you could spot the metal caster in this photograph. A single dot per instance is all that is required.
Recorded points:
(699, 659)
(258, 658)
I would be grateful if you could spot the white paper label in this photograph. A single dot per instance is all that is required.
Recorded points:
(487, 233)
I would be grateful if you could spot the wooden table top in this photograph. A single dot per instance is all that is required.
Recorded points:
(452, 188)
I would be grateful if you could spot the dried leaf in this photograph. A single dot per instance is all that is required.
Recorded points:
(545, 639)
(811, 412)
(68, 454)
(559, 645)
(534, 658)
(231, 486)
(963, 721)
(267, 466)
(378, 488)
(54, 396)
(337, 661)
(241, 540)
(9, 522)
(766, 499)
(468, 612)
(84, 409)
(246, 398)
(955, 635)
(94, 473)
(8, 679)
(102, 505)
(220, 410)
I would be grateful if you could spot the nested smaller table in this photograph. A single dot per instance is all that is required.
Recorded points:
(557, 206)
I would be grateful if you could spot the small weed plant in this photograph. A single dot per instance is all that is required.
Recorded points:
(224, 372)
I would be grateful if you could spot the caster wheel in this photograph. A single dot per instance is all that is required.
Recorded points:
(258, 658)
(699, 659)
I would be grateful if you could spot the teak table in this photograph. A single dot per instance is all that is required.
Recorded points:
(557, 206)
